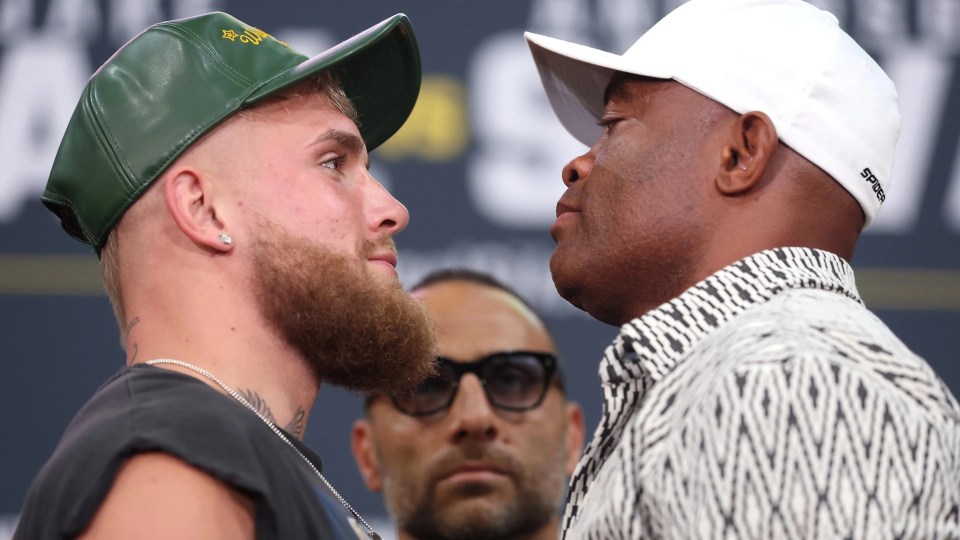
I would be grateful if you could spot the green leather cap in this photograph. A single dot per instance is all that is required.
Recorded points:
(175, 81)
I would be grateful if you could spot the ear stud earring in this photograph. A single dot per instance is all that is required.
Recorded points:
(225, 239)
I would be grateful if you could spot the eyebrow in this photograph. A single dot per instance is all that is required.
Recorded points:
(615, 89)
(351, 142)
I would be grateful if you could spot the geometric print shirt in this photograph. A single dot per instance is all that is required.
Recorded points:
(767, 402)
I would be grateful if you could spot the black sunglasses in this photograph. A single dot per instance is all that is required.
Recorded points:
(513, 381)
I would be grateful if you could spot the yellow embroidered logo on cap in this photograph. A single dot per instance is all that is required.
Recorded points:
(250, 35)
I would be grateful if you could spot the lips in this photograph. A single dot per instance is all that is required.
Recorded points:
(565, 205)
(565, 213)
(473, 464)
(473, 472)
(389, 258)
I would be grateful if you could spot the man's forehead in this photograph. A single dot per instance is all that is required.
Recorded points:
(627, 87)
(461, 300)
(314, 109)
(474, 320)
(289, 104)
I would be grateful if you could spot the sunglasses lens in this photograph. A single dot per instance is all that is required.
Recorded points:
(516, 381)
(429, 396)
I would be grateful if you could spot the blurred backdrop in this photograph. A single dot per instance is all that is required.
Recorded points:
(478, 165)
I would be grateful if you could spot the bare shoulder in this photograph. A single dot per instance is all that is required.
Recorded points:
(155, 495)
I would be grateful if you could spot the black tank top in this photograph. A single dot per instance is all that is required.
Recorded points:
(147, 409)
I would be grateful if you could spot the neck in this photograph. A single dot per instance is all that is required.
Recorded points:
(248, 398)
(225, 335)
(285, 401)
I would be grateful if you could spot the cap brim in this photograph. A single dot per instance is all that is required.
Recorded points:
(380, 71)
(575, 78)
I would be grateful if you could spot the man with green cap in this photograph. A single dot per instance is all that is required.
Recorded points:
(222, 178)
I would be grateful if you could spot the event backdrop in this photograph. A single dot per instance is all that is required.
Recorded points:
(478, 165)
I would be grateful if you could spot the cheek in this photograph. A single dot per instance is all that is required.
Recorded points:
(399, 449)
(614, 187)
(309, 198)
(339, 216)
(330, 224)
(612, 218)
(636, 191)
(543, 456)
(541, 431)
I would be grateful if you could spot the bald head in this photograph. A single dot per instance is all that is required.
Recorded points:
(475, 319)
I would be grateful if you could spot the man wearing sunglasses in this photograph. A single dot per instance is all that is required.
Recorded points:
(482, 449)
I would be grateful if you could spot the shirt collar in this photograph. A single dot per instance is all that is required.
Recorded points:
(652, 345)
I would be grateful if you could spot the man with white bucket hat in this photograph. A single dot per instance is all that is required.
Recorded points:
(737, 151)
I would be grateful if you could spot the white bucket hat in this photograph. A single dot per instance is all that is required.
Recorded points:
(827, 98)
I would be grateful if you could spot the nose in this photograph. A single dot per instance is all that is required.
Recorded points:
(473, 417)
(577, 169)
(387, 216)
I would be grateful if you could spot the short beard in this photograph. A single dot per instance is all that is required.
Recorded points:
(527, 515)
(352, 329)
(537, 501)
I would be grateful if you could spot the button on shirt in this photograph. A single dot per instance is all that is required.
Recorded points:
(768, 402)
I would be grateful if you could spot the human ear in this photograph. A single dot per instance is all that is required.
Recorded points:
(575, 431)
(190, 200)
(365, 455)
(746, 154)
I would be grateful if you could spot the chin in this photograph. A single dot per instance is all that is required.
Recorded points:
(382, 271)
(565, 283)
(604, 313)
(569, 291)
(474, 510)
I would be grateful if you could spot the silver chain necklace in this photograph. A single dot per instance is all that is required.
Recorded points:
(236, 395)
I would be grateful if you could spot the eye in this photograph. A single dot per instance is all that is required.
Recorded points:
(513, 381)
(432, 387)
(607, 122)
(334, 162)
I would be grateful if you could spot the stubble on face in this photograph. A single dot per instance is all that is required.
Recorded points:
(353, 329)
(476, 511)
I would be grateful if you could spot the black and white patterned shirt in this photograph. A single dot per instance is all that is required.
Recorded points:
(768, 402)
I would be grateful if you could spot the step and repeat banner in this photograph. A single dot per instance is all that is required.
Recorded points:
(478, 165)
